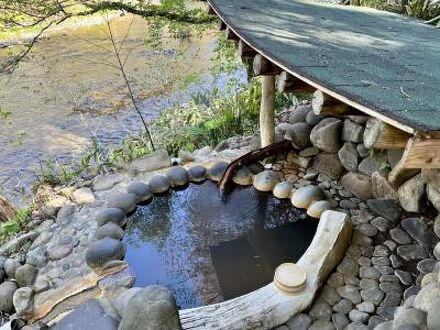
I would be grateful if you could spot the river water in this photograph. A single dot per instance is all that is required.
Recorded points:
(63, 92)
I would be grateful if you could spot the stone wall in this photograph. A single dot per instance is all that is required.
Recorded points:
(389, 278)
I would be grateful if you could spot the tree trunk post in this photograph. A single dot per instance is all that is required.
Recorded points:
(267, 111)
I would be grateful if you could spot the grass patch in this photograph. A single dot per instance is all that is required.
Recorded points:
(14, 225)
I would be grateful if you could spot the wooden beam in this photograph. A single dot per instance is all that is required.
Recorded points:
(267, 111)
(286, 83)
(252, 157)
(422, 151)
(324, 104)
(244, 50)
(230, 35)
(379, 135)
(264, 67)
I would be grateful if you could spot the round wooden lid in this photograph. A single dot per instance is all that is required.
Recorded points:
(290, 276)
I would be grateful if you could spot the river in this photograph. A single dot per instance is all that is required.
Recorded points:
(63, 92)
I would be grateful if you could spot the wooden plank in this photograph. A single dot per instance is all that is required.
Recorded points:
(264, 67)
(267, 111)
(379, 135)
(252, 157)
(422, 152)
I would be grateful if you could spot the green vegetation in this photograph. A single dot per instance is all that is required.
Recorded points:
(15, 225)
(4, 114)
(55, 173)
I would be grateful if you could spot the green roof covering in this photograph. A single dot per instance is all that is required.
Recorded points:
(386, 62)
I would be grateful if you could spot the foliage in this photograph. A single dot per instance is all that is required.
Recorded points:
(225, 57)
(424, 9)
(4, 114)
(14, 225)
(55, 173)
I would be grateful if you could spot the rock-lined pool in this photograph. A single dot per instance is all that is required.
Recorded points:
(208, 248)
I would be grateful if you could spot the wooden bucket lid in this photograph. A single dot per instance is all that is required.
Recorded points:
(289, 277)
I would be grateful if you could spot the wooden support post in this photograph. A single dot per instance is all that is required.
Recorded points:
(244, 50)
(267, 111)
(263, 67)
(379, 135)
(286, 83)
(230, 35)
(422, 151)
(324, 104)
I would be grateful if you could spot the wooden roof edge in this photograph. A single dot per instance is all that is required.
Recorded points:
(318, 86)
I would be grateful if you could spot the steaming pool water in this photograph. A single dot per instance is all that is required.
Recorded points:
(207, 247)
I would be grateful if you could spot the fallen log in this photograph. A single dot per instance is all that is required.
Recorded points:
(252, 157)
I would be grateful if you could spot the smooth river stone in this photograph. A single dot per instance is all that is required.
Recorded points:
(283, 190)
(216, 171)
(109, 230)
(123, 201)
(317, 208)
(178, 176)
(110, 215)
(159, 184)
(197, 173)
(103, 251)
(305, 196)
(142, 191)
(266, 180)
(243, 177)
(7, 290)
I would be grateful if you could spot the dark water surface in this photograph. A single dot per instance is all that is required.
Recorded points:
(207, 248)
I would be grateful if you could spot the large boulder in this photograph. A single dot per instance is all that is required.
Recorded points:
(197, 173)
(142, 191)
(373, 163)
(123, 201)
(325, 135)
(109, 230)
(358, 184)
(88, 315)
(381, 187)
(299, 134)
(159, 184)
(283, 190)
(152, 308)
(349, 156)
(115, 215)
(154, 161)
(433, 196)
(23, 301)
(243, 176)
(25, 275)
(328, 164)
(106, 181)
(265, 181)
(410, 194)
(178, 176)
(83, 195)
(103, 251)
(216, 171)
(307, 195)
(299, 114)
(7, 290)
(352, 132)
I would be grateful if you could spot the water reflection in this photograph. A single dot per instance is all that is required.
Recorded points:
(207, 249)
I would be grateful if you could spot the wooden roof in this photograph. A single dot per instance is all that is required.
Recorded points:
(383, 64)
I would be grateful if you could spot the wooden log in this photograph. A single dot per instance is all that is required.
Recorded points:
(263, 67)
(379, 135)
(324, 104)
(267, 307)
(230, 35)
(252, 157)
(267, 111)
(244, 50)
(286, 83)
(422, 151)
